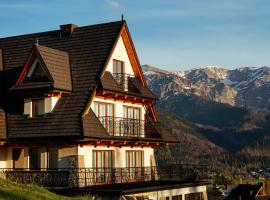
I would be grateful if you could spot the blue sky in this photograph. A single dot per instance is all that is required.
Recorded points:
(175, 35)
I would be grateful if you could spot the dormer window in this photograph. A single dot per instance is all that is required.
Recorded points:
(39, 106)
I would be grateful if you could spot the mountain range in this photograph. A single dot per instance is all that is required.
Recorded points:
(219, 115)
(248, 86)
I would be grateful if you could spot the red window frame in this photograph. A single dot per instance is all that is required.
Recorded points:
(134, 169)
(95, 161)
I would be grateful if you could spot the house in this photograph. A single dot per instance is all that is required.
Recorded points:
(258, 191)
(76, 113)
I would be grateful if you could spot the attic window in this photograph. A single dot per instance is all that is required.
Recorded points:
(36, 71)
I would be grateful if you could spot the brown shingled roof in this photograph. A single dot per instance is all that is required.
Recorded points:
(58, 65)
(89, 48)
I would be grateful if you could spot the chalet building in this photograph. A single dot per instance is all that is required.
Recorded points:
(76, 113)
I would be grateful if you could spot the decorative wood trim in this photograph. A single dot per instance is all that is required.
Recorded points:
(132, 54)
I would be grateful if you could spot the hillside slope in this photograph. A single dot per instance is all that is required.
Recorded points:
(208, 129)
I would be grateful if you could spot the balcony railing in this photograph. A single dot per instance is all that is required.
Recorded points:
(123, 79)
(125, 127)
(87, 177)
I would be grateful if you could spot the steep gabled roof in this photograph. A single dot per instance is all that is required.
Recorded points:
(74, 63)
(89, 48)
(55, 63)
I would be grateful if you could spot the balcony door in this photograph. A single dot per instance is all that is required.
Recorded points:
(102, 163)
(134, 163)
(105, 113)
(34, 158)
(133, 126)
(118, 71)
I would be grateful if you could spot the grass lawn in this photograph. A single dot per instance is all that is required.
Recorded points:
(14, 191)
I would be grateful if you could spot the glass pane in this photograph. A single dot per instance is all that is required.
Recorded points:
(120, 67)
(125, 112)
(114, 66)
(96, 108)
(130, 113)
(100, 159)
(38, 106)
(137, 113)
(110, 110)
(102, 110)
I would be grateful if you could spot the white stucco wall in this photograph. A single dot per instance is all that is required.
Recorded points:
(120, 53)
(119, 154)
(119, 107)
(156, 195)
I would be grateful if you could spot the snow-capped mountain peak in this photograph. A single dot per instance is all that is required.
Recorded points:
(245, 86)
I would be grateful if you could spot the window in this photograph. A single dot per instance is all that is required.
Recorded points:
(131, 112)
(38, 107)
(194, 196)
(118, 67)
(102, 109)
(118, 73)
(34, 158)
(52, 158)
(105, 113)
(102, 163)
(134, 162)
(177, 197)
(133, 125)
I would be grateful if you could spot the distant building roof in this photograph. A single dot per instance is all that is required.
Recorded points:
(245, 192)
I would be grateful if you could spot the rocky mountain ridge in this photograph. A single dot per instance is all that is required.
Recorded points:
(241, 87)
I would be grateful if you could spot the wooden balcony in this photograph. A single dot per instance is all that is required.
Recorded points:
(125, 127)
(87, 177)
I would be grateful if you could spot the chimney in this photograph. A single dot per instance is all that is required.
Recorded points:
(67, 29)
(1, 60)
